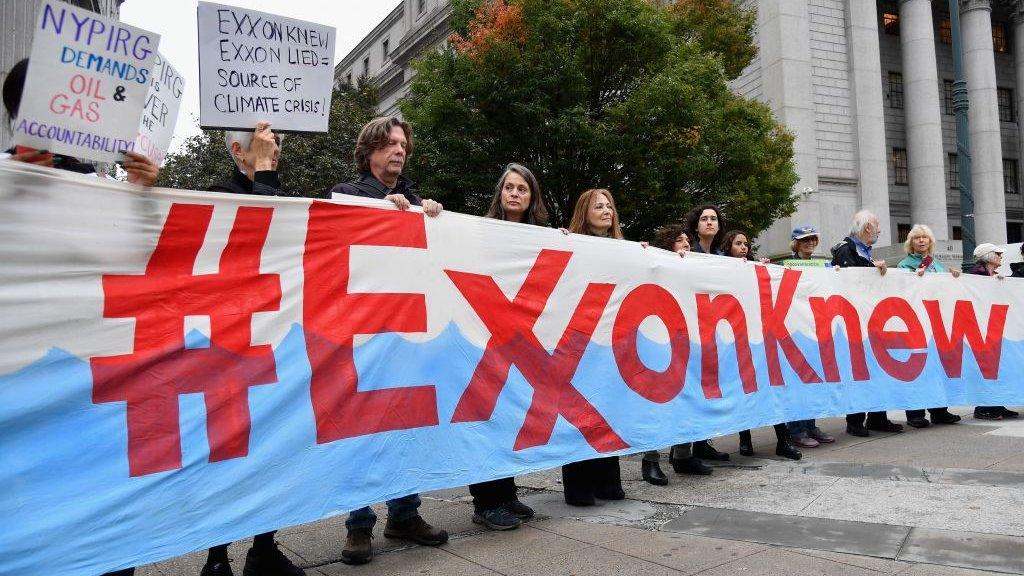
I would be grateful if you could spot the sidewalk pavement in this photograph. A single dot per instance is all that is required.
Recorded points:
(945, 500)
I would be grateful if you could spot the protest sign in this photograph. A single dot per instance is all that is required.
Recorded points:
(86, 85)
(256, 66)
(156, 128)
(181, 369)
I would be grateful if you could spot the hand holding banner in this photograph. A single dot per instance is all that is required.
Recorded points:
(256, 66)
(86, 85)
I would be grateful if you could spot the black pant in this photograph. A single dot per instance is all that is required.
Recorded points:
(490, 495)
(583, 480)
(125, 572)
(915, 414)
(857, 419)
(781, 434)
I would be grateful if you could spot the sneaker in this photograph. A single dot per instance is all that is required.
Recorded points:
(518, 509)
(805, 442)
(984, 414)
(417, 530)
(358, 546)
(1007, 413)
(216, 569)
(269, 562)
(944, 418)
(496, 519)
(820, 436)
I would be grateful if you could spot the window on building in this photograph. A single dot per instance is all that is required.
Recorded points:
(890, 17)
(953, 171)
(947, 96)
(420, 6)
(895, 90)
(946, 30)
(366, 66)
(385, 48)
(1010, 176)
(1013, 232)
(899, 165)
(999, 42)
(348, 78)
(1005, 98)
(902, 231)
(958, 233)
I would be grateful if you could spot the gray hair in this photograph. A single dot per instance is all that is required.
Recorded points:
(244, 138)
(991, 257)
(861, 220)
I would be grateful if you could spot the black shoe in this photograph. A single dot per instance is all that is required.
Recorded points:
(919, 422)
(987, 414)
(1007, 413)
(787, 450)
(269, 562)
(857, 430)
(651, 471)
(885, 426)
(944, 418)
(217, 569)
(497, 519)
(746, 448)
(691, 465)
(518, 509)
(705, 451)
(358, 547)
(417, 530)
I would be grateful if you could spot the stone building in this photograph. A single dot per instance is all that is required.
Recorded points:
(866, 87)
(17, 19)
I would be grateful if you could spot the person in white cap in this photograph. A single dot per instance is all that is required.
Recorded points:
(988, 258)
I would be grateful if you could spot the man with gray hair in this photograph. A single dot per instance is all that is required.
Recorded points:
(855, 252)
(255, 154)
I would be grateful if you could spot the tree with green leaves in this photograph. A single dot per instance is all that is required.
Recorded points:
(310, 163)
(629, 95)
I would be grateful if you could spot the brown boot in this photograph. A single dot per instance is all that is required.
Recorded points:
(417, 530)
(358, 546)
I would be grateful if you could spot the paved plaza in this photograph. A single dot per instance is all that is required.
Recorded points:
(946, 500)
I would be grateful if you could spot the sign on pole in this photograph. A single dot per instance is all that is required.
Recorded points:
(156, 127)
(256, 66)
(86, 83)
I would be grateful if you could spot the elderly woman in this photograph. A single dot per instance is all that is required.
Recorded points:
(918, 247)
(988, 258)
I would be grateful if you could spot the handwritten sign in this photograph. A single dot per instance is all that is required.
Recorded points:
(86, 84)
(256, 66)
(161, 111)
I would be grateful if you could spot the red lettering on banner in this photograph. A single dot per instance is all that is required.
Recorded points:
(160, 368)
(642, 302)
(965, 326)
(773, 326)
(882, 340)
(711, 311)
(825, 310)
(513, 342)
(332, 317)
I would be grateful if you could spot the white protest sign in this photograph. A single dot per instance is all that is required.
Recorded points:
(161, 112)
(86, 84)
(256, 66)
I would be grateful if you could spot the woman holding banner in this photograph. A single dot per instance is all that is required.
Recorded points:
(988, 258)
(517, 198)
(736, 245)
(918, 247)
(582, 482)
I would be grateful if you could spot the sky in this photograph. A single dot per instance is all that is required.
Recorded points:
(175, 22)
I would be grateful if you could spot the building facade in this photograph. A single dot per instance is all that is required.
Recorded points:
(866, 87)
(17, 18)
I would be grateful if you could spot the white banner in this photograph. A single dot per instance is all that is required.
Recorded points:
(163, 101)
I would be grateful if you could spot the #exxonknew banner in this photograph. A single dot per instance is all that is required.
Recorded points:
(180, 369)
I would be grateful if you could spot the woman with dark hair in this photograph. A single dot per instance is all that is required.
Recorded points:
(672, 237)
(704, 226)
(735, 244)
(582, 482)
(517, 198)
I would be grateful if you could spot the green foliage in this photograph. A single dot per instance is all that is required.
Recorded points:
(627, 95)
(310, 163)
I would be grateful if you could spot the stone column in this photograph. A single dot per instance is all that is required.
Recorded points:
(986, 143)
(1018, 63)
(923, 117)
(868, 107)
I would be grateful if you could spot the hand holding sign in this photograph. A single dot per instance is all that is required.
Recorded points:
(265, 148)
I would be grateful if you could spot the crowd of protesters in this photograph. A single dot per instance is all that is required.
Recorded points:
(381, 152)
